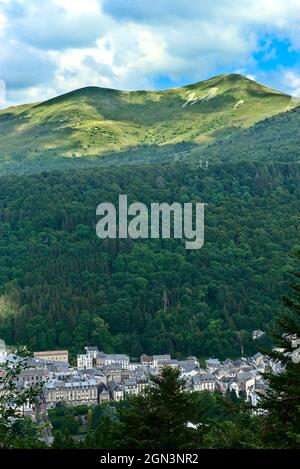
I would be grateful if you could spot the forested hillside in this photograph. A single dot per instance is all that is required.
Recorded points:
(63, 287)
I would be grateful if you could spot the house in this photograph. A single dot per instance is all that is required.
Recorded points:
(188, 386)
(233, 386)
(246, 383)
(258, 359)
(73, 392)
(160, 360)
(53, 356)
(188, 368)
(255, 393)
(117, 359)
(155, 361)
(116, 391)
(146, 360)
(228, 362)
(257, 334)
(85, 362)
(212, 364)
(142, 381)
(204, 381)
(223, 383)
(91, 351)
(100, 359)
(32, 376)
(55, 367)
(103, 393)
(3, 353)
(130, 387)
(171, 363)
(95, 359)
(99, 376)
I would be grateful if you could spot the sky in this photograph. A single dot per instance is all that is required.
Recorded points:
(49, 47)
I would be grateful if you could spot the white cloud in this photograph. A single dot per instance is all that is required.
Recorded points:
(2, 92)
(292, 81)
(47, 48)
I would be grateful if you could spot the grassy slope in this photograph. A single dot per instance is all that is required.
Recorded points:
(95, 121)
(273, 139)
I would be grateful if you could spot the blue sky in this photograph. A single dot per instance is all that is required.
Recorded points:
(51, 47)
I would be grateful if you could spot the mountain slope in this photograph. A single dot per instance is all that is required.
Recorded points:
(61, 286)
(94, 121)
(274, 139)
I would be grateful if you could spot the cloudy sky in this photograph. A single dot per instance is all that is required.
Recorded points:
(48, 47)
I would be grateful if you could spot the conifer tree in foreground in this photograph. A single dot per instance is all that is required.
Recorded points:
(157, 418)
(282, 400)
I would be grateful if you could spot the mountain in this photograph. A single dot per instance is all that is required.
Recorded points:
(93, 121)
(61, 286)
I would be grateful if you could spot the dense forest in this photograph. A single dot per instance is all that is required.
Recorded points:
(164, 415)
(61, 286)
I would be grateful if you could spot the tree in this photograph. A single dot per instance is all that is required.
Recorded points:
(15, 429)
(63, 440)
(158, 417)
(282, 399)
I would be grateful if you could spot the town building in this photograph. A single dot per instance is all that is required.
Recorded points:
(54, 356)
(100, 377)
(3, 352)
(204, 382)
(73, 393)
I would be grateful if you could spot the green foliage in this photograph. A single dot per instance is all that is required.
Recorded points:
(64, 441)
(159, 417)
(165, 416)
(63, 287)
(272, 139)
(16, 431)
(282, 400)
(64, 418)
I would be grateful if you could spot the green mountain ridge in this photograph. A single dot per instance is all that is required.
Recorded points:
(62, 287)
(92, 122)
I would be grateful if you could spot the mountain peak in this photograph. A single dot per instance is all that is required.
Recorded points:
(93, 121)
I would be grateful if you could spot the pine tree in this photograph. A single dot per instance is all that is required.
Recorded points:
(158, 418)
(282, 399)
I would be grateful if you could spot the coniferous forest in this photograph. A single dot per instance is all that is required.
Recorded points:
(62, 287)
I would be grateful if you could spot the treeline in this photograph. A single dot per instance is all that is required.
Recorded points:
(62, 287)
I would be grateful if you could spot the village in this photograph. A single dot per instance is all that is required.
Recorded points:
(100, 377)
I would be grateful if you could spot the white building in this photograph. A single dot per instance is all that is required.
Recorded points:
(212, 364)
(117, 359)
(3, 353)
(257, 334)
(84, 362)
(91, 351)
(116, 391)
(73, 392)
(131, 387)
(204, 382)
